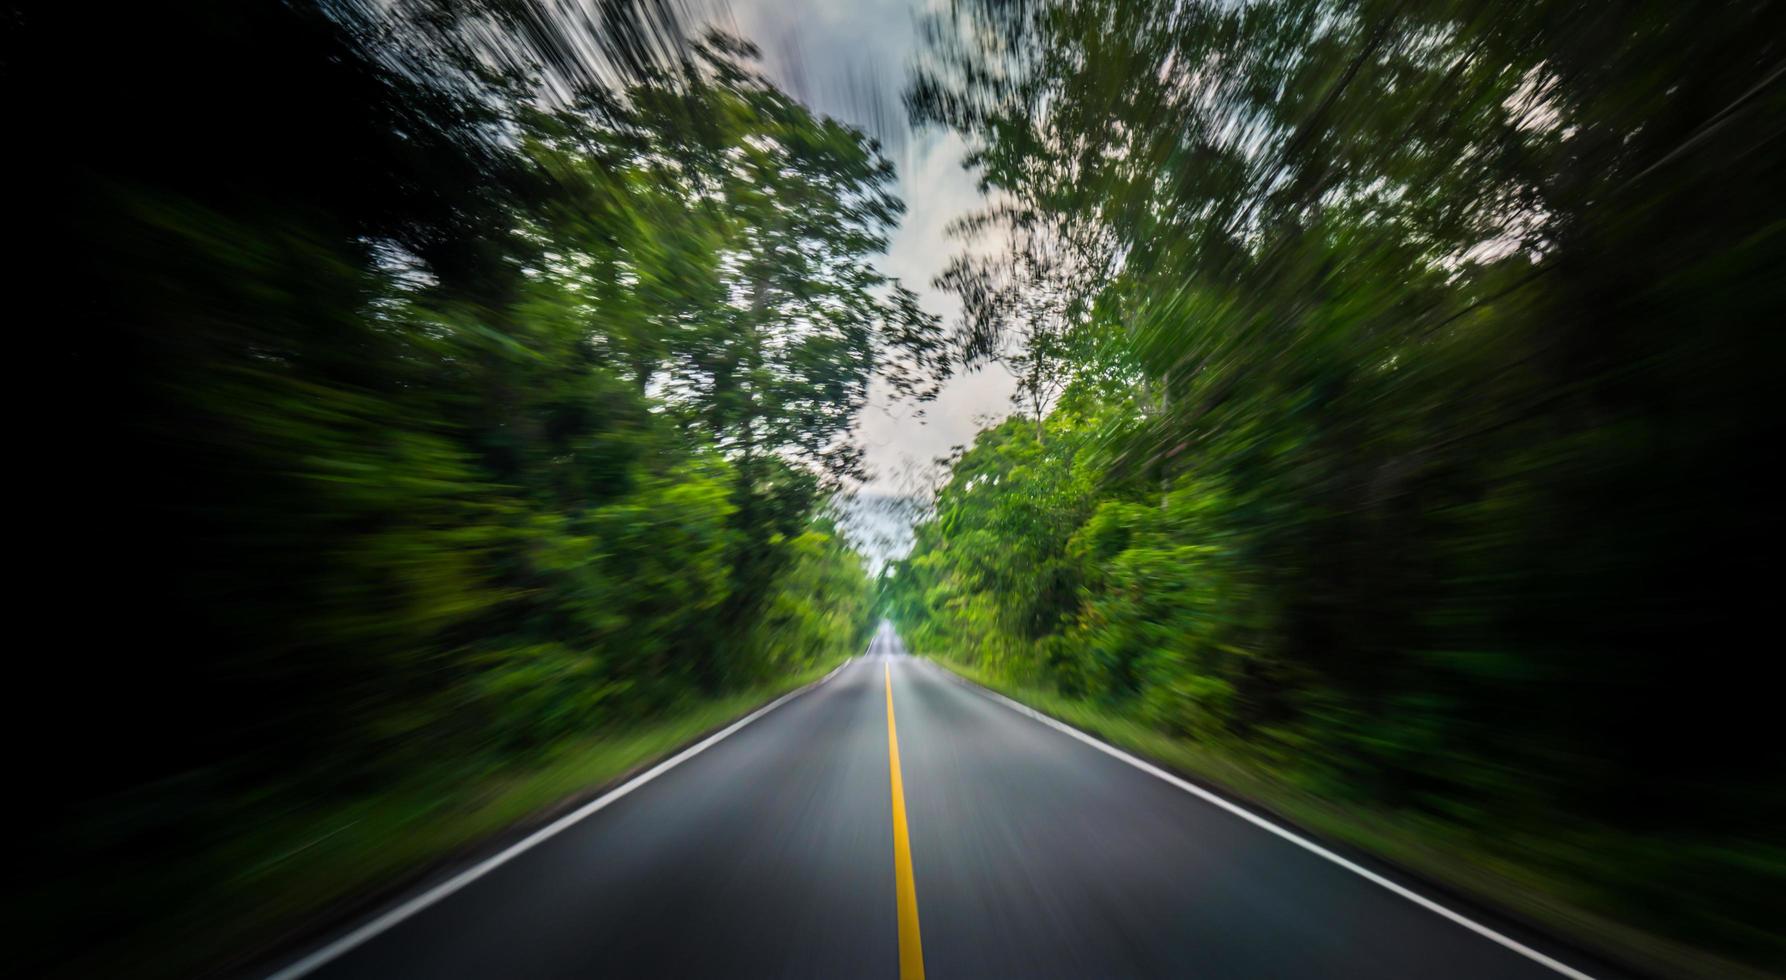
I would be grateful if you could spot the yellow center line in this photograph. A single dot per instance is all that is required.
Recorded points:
(911, 949)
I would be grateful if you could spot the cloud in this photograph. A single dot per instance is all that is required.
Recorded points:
(849, 60)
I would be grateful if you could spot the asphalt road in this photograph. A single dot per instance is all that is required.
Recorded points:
(1031, 854)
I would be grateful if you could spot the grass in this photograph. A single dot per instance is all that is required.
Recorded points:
(284, 878)
(1503, 874)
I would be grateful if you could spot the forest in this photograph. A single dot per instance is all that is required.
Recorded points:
(1394, 409)
(440, 409)
(436, 397)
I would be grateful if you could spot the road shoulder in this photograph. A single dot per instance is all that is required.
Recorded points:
(1441, 871)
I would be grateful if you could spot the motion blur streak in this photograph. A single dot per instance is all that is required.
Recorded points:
(458, 408)
(1398, 390)
(1040, 857)
(476, 379)
(311, 962)
(1535, 956)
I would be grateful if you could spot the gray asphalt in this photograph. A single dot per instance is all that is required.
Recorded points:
(1034, 855)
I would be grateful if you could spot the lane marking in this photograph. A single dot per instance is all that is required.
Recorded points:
(358, 937)
(1478, 928)
(911, 948)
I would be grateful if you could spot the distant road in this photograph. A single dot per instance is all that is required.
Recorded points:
(1005, 847)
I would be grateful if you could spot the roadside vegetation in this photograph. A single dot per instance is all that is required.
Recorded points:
(461, 393)
(1396, 406)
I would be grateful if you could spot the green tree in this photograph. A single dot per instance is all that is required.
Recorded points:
(464, 399)
(1432, 349)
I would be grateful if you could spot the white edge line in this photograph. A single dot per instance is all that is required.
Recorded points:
(1294, 838)
(359, 936)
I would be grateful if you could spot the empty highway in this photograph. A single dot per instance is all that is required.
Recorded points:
(893, 821)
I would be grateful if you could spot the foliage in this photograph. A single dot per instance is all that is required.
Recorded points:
(1415, 368)
(430, 393)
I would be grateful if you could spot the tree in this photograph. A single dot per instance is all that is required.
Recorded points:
(461, 398)
(1437, 390)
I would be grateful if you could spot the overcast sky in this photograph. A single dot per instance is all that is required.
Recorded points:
(849, 59)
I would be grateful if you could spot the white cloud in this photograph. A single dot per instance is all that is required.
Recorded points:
(849, 60)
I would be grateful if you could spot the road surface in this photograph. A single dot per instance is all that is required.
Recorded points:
(1005, 848)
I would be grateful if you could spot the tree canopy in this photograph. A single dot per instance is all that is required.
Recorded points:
(440, 382)
(1399, 383)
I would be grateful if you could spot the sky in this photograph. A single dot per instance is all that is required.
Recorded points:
(849, 59)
